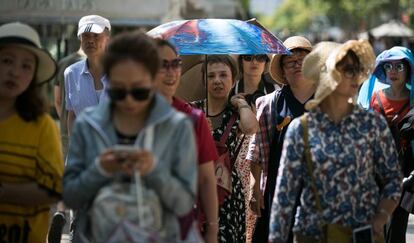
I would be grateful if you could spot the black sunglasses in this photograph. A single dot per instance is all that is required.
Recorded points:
(173, 64)
(258, 58)
(118, 94)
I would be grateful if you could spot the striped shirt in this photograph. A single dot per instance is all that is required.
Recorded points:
(80, 88)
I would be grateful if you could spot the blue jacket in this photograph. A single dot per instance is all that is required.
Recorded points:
(173, 178)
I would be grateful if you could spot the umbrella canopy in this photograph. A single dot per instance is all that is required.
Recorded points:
(218, 36)
(393, 28)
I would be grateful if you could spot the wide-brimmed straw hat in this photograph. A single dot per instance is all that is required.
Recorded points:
(291, 43)
(26, 37)
(319, 66)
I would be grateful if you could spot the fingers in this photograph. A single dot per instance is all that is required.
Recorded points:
(143, 161)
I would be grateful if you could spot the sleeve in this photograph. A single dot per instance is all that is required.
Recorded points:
(67, 80)
(177, 186)
(206, 146)
(50, 165)
(386, 161)
(82, 179)
(288, 186)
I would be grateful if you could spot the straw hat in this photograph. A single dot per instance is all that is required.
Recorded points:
(26, 37)
(294, 42)
(319, 66)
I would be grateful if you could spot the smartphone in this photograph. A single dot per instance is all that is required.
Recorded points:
(363, 234)
(122, 151)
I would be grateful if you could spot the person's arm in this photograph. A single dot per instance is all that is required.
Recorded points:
(256, 202)
(26, 194)
(71, 121)
(388, 171)
(58, 100)
(288, 184)
(176, 187)
(207, 186)
(248, 122)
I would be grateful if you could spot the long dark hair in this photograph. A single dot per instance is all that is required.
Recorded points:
(31, 103)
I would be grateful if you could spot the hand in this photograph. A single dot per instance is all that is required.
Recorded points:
(256, 202)
(110, 161)
(378, 222)
(141, 160)
(239, 100)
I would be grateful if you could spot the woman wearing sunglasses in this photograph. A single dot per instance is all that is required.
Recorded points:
(394, 67)
(253, 84)
(338, 158)
(132, 111)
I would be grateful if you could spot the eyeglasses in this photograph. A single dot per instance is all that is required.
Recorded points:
(139, 94)
(351, 72)
(399, 67)
(258, 58)
(173, 64)
(293, 63)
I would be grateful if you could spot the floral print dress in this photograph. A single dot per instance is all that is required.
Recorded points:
(232, 213)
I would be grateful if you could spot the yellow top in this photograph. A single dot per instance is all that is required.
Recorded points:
(29, 152)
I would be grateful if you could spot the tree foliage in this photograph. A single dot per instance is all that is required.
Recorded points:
(351, 15)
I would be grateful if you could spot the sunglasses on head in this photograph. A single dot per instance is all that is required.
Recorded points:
(399, 67)
(173, 64)
(139, 94)
(258, 58)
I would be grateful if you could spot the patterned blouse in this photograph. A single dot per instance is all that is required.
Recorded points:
(233, 139)
(345, 158)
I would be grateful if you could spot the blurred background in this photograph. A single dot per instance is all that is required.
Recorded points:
(384, 22)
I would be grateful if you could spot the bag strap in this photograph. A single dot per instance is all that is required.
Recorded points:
(226, 133)
(237, 151)
(307, 154)
(378, 98)
(147, 144)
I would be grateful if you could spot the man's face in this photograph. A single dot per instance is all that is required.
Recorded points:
(292, 66)
(94, 44)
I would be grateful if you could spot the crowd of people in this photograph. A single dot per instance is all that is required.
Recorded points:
(280, 150)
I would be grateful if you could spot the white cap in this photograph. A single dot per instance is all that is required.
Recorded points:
(93, 23)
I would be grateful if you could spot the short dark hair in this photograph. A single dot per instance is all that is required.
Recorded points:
(226, 59)
(31, 103)
(132, 45)
(353, 57)
(161, 43)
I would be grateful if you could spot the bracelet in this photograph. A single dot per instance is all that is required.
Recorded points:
(383, 211)
(243, 106)
(208, 223)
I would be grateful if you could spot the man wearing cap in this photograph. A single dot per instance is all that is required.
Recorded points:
(85, 81)
(274, 113)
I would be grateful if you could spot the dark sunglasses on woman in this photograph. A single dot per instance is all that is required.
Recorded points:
(139, 94)
(258, 58)
(173, 64)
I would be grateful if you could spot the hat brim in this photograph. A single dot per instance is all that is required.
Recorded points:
(275, 68)
(94, 28)
(46, 65)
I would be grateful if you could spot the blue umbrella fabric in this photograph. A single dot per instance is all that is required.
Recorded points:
(218, 36)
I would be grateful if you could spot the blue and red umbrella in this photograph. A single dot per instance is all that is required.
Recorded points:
(218, 36)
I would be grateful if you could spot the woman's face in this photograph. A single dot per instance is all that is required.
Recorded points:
(168, 77)
(131, 77)
(396, 72)
(219, 80)
(17, 70)
(292, 66)
(350, 72)
(253, 65)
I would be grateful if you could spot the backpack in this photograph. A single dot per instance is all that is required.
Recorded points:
(127, 211)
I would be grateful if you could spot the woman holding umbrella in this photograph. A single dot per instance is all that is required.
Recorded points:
(236, 117)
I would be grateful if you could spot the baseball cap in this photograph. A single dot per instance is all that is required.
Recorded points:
(93, 23)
